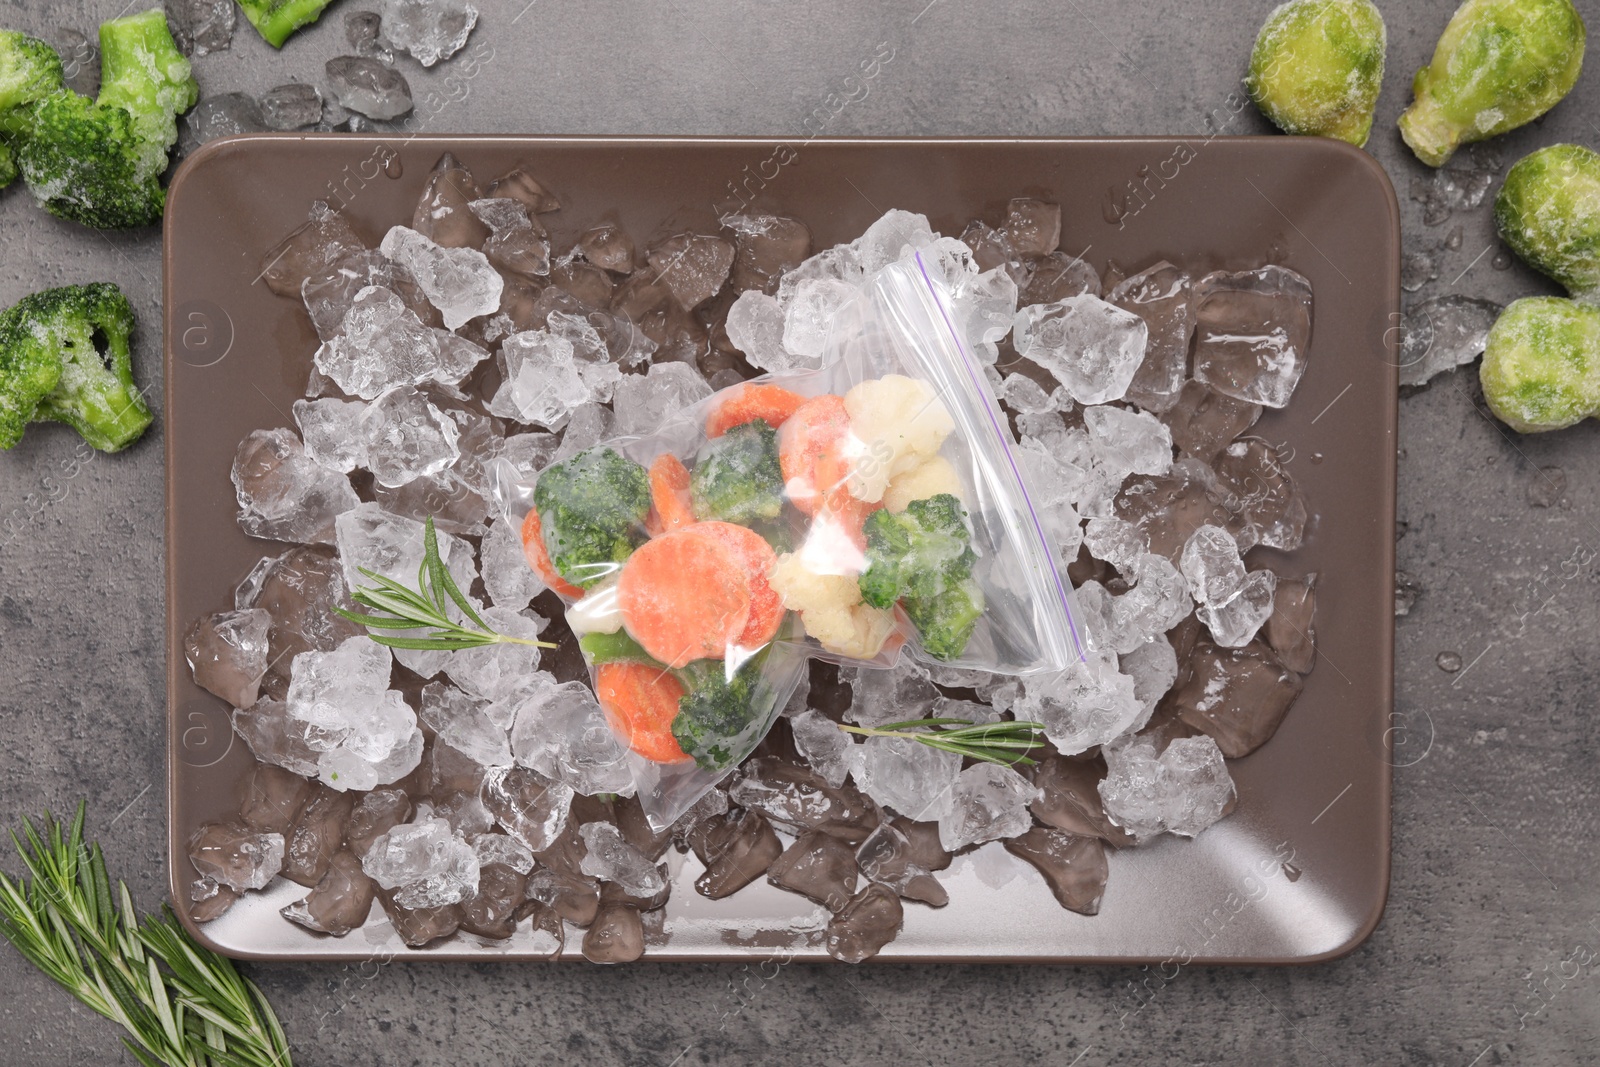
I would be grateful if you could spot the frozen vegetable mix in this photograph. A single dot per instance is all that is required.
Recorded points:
(1317, 67)
(1499, 64)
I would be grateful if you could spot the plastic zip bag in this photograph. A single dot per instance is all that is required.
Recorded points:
(870, 508)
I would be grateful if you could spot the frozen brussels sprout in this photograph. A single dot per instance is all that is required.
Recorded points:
(1541, 369)
(1548, 211)
(1499, 64)
(1317, 67)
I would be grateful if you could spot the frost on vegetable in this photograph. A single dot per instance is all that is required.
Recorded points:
(1498, 65)
(1548, 211)
(1541, 370)
(592, 509)
(1317, 67)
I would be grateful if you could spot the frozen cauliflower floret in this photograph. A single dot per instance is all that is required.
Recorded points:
(830, 609)
(931, 477)
(899, 422)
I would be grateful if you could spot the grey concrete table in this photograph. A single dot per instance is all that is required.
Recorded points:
(1485, 955)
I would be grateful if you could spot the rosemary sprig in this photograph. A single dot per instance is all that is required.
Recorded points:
(1006, 743)
(426, 607)
(181, 1004)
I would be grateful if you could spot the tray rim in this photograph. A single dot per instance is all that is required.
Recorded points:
(457, 952)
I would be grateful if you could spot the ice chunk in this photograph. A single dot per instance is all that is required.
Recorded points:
(755, 327)
(426, 861)
(692, 266)
(530, 807)
(1070, 798)
(199, 27)
(990, 802)
(530, 453)
(365, 735)
(339, 902)
(1158, 601)
(1074, 867)
(864, 925)
(736, 849)
(912, 778)
(986, 306)
(518, 243)
(608, 246)
(615, 936)
(1211, 565)
(1058, 276)
(317, 835)
(331, 291)
(798, 798)
(1092, 347)
(1088, 704)
(1129, 442)
(222, 115)
(322, 240)
(1237, 696)
(460, 282)
(588, 425)
(276, 737)
(1164, 297)
(610, 858)
(809, 314)
(643, 402)
(1153, 666)
(236, 856)
(1032, 227)
(894, 694)
(902, 854)
(1182, 790)
(1234, 621)
(430, 30)
(228, 654)
(765, 246)
(561, 732)
(284, 495)
(1022, 394)
(542, 382)
(1115, 541)
(819, 867)
(382, 343)
(331, 430)
(292, 106)
(507, 578)
(1253, 329)
(458, 720)
(1170, 507)
(492, 672)
(889, 239)
(1290, 630)
(367, 87)
(823, 745)
(1204, 421)
(407, 437)
(1263, 493)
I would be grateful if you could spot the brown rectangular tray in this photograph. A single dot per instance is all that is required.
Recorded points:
(1299, 873)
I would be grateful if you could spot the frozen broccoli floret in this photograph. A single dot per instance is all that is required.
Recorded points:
(99, 162)
(592, 509)
(945, 621)
(716, 713)
(920, 552)
(737, 477)
(1541, 367)
(277, 20)
(1498, 64)
(1548, 211)
(30, 70)
(1317, 67)
(64, 357)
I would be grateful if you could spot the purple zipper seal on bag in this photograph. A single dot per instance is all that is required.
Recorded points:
(1022, 486)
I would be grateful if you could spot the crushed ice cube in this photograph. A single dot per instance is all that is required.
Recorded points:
(292, 106)
(912, 778)
(889, 239)
(1092, 347)
(542, 383)
(1032, 227)
(459, 721)
(643, 402)
(284, 495)
(1182, 790)
(692, 266)
(228, 654)
(1129, 442)
(460, 282)
(561, 732)
(507, 578)
(236, 856)
(367, 87)
(382, 343)
(1203, 421)
(823, 745)
(1164, 297)
(1234, 621)
(1088, 704)
(407, 437)
(1442, 334)
(1237, 696)
(1058, 276)
(755, 327)
(1253, 329)
(1263, 493)
(331, 430)
(609, 857)
(430, 30)
(1211, 565)
(1153, 666)
(765, 246)
(893, 694)
(429, 864)
(809, 314)
(990, 802)
(371, 538)
(494, 671)
(518, 242)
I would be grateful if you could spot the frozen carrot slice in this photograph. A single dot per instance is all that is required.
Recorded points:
(640, 701)
(533, 548)
(749, 401)
(757, 559)
(669, 493)
(684, 596)
(812, 451)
